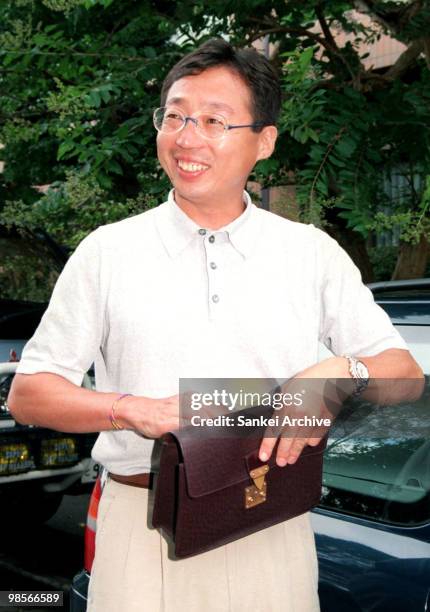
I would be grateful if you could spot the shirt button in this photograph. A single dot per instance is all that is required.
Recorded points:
(215, 298)
(211, 238)
(202, 232)
(213, 265)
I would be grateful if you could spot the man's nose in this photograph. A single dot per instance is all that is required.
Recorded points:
(189, 135)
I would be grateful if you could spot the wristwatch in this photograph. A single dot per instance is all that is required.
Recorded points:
(359, 374)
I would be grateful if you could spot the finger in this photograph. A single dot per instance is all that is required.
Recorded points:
(314, 441)
(289, 450)
(266, 448)
(315, 438)
(283, 450)
(168, 422)
(212, 411)
(286, 434)
(183, 402)
(270, 438)
(184, 420)
(320, 431)
(318, 434)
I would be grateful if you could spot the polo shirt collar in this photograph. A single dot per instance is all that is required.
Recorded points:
(244, 231)
(177, 230)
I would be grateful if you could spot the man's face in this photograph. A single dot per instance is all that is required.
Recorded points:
(203, 170)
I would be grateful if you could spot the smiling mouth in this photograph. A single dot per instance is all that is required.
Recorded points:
(191, 166)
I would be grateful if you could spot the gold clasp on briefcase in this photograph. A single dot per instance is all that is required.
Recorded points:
(257, 493)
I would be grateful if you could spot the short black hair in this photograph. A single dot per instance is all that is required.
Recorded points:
(250, 65)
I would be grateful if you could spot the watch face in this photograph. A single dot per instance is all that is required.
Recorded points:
(362, 370)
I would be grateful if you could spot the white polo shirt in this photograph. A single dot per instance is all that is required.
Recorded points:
(155, 298)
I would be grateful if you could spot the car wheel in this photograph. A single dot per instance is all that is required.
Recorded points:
(27, 506)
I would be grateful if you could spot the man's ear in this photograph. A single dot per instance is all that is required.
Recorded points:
(268, 136)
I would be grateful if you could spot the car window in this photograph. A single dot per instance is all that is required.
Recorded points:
(417, 338)
(408, 313)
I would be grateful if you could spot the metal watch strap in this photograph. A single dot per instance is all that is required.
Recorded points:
(360, 382)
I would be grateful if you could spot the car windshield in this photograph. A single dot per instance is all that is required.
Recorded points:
(377, 462)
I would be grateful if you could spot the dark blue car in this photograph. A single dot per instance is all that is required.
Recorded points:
(372, 526)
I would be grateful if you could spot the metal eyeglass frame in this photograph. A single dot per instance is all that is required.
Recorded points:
(195, 120)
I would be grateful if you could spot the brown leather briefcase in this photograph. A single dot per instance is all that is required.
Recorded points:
(213, 489)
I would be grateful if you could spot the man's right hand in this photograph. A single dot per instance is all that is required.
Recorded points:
(150, 417)
(49, 400)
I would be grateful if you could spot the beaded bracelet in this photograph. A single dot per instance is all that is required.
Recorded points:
(115, 425)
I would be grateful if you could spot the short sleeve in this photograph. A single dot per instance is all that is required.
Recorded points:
(70, 332)
(350, 322)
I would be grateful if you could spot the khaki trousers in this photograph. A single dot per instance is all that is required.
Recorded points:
(274, 570)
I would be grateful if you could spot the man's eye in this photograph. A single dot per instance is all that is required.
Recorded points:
(172, 115)
(209, 120)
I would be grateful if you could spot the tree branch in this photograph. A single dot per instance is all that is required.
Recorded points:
(368, 8)
(326, 29)
(393, 20)
(327, 41)
(306, 34)
(288, 30)
(72, 52)
(407, 58)
(333, 46)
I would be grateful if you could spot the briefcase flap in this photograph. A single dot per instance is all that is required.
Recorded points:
(221, 460)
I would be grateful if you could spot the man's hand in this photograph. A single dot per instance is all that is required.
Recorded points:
(150, 417)
(325, 400)
(302, 423)
(319, 400)
(155, 417)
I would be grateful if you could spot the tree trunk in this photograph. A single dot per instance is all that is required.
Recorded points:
(356, 248)
(412, 260)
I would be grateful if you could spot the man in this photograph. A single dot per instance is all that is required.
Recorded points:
(206, 285)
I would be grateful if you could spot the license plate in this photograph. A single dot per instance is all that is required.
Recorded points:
(56, 452)
(91, 473)
(15, 458)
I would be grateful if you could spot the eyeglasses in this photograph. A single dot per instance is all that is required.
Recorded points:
(169, 120)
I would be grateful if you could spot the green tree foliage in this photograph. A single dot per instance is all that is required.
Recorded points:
(79, 79)
(347, 126)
